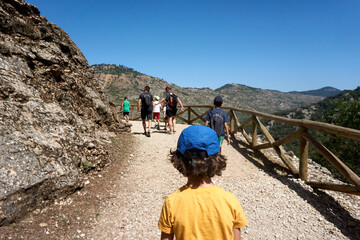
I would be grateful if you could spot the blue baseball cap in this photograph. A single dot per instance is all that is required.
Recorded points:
(197, 137)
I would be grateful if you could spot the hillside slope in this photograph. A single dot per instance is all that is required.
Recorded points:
(120, 81)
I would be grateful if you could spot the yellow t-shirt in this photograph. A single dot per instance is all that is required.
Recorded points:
(201, 213)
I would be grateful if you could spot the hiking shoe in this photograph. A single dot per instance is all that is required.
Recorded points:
(148, 134)
(145, 133)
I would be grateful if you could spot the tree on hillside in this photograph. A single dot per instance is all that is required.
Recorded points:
(343, 112)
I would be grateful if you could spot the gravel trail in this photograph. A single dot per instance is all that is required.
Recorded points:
(277, 205)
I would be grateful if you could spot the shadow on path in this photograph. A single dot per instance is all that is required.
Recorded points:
(325, 204)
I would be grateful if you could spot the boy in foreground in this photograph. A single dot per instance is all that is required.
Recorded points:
(200, 209)
(217, 119)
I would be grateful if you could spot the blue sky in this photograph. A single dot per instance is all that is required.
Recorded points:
(271, 44)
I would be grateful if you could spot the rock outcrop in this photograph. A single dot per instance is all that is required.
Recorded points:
(54, 117)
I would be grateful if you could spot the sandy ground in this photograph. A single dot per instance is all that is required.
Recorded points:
(276, 204)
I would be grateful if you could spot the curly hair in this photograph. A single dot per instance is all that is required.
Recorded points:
(201, 167)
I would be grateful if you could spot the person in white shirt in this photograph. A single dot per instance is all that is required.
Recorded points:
(156, 112)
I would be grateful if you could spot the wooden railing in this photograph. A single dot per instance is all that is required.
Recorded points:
(190, 116)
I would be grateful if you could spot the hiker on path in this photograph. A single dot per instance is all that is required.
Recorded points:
(200, 209)
(217, 119)
(126, 109)
(164, 111)
(146, 103)
(156, 112)
(172, 100)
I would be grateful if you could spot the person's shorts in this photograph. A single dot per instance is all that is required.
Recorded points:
(146, 114)
(221, 140)
(126, 113)
(156, 115)
(171, 112)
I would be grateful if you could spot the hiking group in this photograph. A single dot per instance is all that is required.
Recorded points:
(149, 109)
(199, 209)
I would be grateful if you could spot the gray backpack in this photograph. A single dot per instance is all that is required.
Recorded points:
(147, 100)
(217, 122)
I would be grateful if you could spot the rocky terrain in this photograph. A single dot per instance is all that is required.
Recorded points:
(120, 81)
(54, 117)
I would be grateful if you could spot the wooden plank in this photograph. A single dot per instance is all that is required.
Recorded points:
(247, 137)
(243, 125)
(178, 116)
(279, 142)
(181, 118)
(304, 151)
(263, 146)
(138, 117)
(198, 116)
(277, 149)
(337, 163)
(287, 139)
(335, 187)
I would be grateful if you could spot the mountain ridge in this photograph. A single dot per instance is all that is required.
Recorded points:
(120, 81)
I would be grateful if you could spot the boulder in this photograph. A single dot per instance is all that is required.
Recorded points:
(54, 117)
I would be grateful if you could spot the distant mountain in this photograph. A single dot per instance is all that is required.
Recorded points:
(120, 81)
(324, 92)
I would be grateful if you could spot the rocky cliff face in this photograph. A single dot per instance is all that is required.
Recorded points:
(54, 118)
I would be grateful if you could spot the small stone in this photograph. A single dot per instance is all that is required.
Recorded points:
(43, 224)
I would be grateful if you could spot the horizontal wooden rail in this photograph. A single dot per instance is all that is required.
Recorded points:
(326, 127)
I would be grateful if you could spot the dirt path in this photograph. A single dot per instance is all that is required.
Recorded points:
(277, 206)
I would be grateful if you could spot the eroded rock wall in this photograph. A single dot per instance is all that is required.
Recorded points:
(54, 118)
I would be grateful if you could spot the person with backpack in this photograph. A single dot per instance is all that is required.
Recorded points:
(217, 120)
(146, 103)
(200, 209)
(172, 101)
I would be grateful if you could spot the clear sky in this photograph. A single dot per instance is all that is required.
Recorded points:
(272, 44)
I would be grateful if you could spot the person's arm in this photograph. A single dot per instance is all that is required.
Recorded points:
(165, 236)
(139, 104)
(227, 133)
(182, 107)
(237, 233)
(162, 100)
(207, 123)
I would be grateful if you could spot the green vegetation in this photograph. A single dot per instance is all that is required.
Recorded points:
(114, 69)
(87, 166)
(342, 110)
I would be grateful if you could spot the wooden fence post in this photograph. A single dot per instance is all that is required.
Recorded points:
(189, 115)
(254, 132)
(304, 152)
(232, 121)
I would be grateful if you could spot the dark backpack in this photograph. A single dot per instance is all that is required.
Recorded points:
(173, 100)
(217, 122)
(146, 100)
